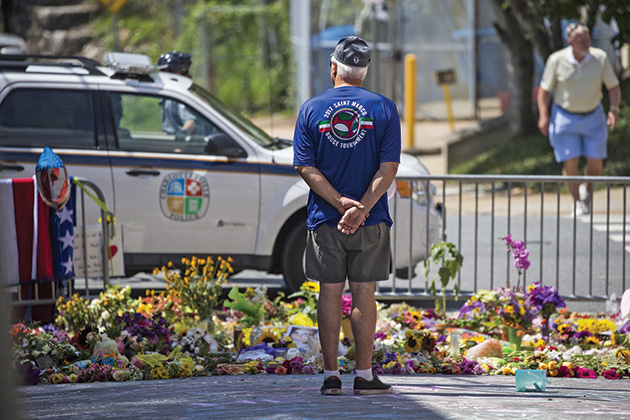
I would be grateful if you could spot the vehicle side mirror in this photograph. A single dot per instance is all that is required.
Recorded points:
(220, 144)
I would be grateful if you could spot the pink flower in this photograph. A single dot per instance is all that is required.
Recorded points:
(346, 305)
(136, 362)
(121, 347)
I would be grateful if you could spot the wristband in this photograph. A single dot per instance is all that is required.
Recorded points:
(613, 108)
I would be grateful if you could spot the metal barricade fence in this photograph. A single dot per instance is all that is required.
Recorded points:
(584, 257)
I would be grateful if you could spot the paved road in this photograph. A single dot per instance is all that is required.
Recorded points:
(297, 397)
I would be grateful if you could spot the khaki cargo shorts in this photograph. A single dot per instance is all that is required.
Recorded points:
(332, 256)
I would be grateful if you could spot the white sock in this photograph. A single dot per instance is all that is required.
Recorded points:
(329, 373)
(365, 374)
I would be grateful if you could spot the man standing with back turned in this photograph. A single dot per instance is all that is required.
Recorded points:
(347, 148)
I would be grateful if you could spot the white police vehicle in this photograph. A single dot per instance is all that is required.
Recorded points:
(229, 190)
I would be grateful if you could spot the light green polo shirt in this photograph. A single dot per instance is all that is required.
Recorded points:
(578, 86)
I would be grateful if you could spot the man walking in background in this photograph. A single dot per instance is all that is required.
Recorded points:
(347, 148)
(577, 126)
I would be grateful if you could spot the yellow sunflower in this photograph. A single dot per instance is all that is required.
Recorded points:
(563, 328)
(268, 337)
(413, 344)
(623, 354)
(311, 286)
(592, 340)
(603, 325)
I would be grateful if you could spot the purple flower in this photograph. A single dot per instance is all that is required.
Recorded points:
(397, 369)
(625, 328)
(470, 367)
(380, 335)
(377, 369)
(29, 373)
(153, 329)
(309, 370)
(297, 365)
(582, 334)
(545, 299)
(390, 357)
(470, 306)
(520, 254)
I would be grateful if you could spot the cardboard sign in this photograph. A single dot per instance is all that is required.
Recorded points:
(94, 243)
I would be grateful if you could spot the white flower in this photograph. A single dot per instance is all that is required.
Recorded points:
(553, 354)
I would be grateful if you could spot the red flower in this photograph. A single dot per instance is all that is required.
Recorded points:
(586, 373)
(611, 374)
(564, 372)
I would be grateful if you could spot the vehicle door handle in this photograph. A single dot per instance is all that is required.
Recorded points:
(138, 172)
(11, 167)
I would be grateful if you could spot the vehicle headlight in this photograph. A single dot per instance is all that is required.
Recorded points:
(416, 190)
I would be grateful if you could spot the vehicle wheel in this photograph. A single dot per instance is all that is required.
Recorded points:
(292, 258)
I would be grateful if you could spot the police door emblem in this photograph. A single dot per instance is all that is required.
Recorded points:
(184, 196)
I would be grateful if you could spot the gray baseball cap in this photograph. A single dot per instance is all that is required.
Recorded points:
(352, 51)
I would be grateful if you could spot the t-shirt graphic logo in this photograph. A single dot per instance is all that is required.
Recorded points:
(345, 124)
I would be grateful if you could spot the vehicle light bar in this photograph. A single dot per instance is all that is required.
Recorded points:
(132, 64)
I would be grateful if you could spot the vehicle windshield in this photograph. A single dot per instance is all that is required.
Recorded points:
(256, 134)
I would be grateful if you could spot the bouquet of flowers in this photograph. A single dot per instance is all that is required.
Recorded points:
(544, 299)
(199, 288)
(514, 308)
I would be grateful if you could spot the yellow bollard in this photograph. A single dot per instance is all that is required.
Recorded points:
(410, 98)
(449, 106)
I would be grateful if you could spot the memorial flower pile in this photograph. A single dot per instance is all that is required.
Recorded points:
(172, 334)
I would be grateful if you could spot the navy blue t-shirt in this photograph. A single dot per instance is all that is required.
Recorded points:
(346, 133)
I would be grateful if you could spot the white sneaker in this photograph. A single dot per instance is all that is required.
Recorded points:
(584, 196)
(580, 209)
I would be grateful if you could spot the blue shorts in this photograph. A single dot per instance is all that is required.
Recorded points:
(575, 135)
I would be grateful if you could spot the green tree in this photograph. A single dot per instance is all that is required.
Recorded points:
(240, 52)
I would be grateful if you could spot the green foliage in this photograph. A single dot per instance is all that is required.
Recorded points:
(253, 312)
(141, 113)
(247, 46)
(448, 259)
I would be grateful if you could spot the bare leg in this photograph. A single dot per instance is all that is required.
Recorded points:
(593, 168)
(363, 320)
(329, 321)
(570, 168)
